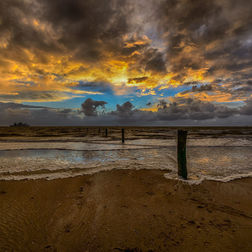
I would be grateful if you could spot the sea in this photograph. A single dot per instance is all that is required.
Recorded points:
(208, 158)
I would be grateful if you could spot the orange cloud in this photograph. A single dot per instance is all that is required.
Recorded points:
(216, 96)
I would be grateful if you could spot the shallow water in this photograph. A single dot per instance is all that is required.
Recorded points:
(67, 156)
(218, 159)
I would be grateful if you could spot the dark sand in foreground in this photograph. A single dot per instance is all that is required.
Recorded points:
(125, 209)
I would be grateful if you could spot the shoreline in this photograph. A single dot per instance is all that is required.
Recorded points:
(84, 171)
(125, 209)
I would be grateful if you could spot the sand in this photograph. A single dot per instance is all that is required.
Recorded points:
(125, 210)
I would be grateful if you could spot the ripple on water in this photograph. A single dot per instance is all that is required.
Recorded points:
(209, 162)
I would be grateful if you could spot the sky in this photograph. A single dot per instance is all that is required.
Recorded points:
(116, 62)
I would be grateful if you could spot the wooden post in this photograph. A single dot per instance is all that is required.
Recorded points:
(99, 131)
(122, 135)
(181, 153)
(106, 132)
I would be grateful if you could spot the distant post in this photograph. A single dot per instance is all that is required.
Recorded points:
(106, 132)
(122, 135)
(99, 131)
(181, 153)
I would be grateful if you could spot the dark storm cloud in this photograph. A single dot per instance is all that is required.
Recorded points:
(189, 23)
(236, 88)
(82, 28)
(137, 80)
(191, 83)
(36, 115)
(156, 63)
(216, 31)
(212, 34)
(128, 114)
(98, 86)
(202, 88)
(247, 108)
(88, 26)
(16, 24)
(193, 109)
(180, 110)
(124, 110)
(89, 106)
(149, 59)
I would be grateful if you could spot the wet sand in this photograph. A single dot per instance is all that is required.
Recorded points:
(125, 210)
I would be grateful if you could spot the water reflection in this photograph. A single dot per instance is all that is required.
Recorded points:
(219, 161)
(202, 161)
(73, 156)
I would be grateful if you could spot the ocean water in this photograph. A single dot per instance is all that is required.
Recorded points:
(220, 159)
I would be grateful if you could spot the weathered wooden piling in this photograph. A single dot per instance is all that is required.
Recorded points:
(123, 136)
(181, 153)
(106, 132)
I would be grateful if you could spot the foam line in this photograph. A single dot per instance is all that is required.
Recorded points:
(210, 178)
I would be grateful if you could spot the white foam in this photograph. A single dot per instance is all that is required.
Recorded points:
(209, 178)
(25, 160)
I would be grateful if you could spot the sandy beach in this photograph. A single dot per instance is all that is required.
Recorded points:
(125, 210)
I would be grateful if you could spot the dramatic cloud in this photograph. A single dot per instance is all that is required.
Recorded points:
(206, 40)
(124, 110)
(192, 109)
(156, 63)
(89, 106)
(194, 55)
(178, 112)
(37, 115)
(247, 108)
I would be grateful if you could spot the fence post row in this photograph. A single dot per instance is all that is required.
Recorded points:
(181, 150)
